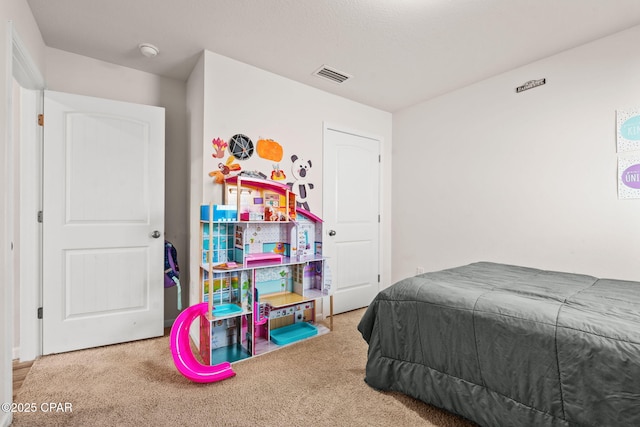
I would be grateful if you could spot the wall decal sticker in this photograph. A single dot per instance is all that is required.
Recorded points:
(277, 174)
(241, 146)
(269, 149)
(218, 148)
(300, 186)
(225, 170)
(530, 85)
(628, 130)
(629, 177)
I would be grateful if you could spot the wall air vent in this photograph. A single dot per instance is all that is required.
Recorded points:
(332, 74)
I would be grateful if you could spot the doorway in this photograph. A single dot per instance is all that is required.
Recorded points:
(21, 73)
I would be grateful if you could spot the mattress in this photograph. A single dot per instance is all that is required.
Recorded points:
(505, 345)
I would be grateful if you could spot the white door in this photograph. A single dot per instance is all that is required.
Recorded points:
(103, 205)
(351, 192)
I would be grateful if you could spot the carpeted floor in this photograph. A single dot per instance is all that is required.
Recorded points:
(317, 382)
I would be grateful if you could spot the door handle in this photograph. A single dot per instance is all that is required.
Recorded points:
(332, 232)
(156, 234)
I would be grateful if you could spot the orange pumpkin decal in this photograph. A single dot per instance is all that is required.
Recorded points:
(269, 149)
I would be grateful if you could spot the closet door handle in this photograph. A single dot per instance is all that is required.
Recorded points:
(156, 234)
(332, 232)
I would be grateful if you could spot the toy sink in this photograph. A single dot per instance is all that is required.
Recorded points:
(293, 333)
(226, 310)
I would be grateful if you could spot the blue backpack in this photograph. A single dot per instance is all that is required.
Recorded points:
(172, 270)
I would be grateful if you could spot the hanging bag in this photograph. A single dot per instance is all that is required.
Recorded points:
(172, 270)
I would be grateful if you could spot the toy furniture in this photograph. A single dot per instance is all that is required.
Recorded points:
(262, 272)
(183, 357)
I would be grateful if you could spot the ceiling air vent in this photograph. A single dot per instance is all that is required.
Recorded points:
(332, 74)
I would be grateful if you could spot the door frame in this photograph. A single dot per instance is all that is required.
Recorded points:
(30, 228)
(20, 68)
(27, 74)
(326, 126)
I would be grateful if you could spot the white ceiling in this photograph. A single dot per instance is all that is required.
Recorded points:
(399, 52)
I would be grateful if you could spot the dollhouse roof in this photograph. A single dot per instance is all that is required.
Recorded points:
(274, 186)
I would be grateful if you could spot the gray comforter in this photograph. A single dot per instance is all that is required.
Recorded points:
(510, 346)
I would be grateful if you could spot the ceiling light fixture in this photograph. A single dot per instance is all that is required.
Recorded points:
(148, 50)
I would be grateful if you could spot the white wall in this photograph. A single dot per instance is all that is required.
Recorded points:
(68, 72)
(484, 173)
(239, 98)
(196, 115)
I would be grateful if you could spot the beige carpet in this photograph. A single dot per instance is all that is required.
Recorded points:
(317, 382)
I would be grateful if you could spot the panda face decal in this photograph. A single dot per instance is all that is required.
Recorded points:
(300, 167)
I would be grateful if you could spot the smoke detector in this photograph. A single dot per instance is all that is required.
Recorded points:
(331, 74)
(148, 50)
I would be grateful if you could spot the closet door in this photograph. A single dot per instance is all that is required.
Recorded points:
(351, 208)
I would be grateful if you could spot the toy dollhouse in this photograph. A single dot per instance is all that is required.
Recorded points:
(262, 271)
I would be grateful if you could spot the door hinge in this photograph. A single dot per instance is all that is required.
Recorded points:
(379, 158)
(40, 216)
(378, 278)
(39, 312)
(40, 119)
(378, 217)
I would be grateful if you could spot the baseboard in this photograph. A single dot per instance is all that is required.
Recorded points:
(169, 323)
(15, 354)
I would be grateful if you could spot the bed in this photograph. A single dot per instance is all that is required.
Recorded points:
(504, 345)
